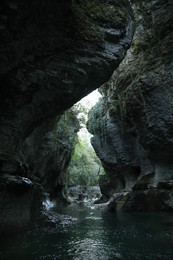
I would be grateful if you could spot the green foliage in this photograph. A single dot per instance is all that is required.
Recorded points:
(148, 53)
(85, 167)
(91, 14)
(64, 134)
(104, 12)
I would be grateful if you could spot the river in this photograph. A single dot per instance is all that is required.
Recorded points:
(97, 235)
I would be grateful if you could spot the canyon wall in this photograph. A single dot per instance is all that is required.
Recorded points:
(52, 53)
(133, 123)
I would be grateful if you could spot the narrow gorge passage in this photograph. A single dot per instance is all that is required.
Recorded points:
(85, 167)
(59, 200)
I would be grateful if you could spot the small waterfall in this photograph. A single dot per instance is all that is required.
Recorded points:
(47, 203)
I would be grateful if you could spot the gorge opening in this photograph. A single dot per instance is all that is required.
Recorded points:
(52, 54)
(85, 167)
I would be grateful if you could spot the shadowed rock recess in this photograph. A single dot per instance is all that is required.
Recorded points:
(52, 53)
(133, 123)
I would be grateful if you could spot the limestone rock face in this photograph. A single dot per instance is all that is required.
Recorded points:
(133, 136)
(51, 56)
(47, 151)
(52, 53)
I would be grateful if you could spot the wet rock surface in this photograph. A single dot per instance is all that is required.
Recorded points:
(20, 202)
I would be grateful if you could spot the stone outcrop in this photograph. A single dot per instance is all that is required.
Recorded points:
(20, 202)
(46, 154)
(133, 132)
(52, 53)
(53, 143)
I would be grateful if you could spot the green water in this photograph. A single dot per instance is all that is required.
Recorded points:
(97, 235)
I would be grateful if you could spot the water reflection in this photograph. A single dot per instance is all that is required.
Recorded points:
(98, 235)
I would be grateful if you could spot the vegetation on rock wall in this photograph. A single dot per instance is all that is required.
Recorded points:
(110, 14)
(151, 50)
(64, 138)
(85, 167)
(65, 131)
(54, 144)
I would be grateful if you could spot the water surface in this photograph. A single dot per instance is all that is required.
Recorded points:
(97, 235)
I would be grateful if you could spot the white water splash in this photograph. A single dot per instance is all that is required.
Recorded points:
(48, 204)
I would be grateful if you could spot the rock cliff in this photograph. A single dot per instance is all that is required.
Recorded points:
(132, 125)
(52, 53)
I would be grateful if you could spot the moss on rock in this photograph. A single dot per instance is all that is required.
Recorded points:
(91, 15)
